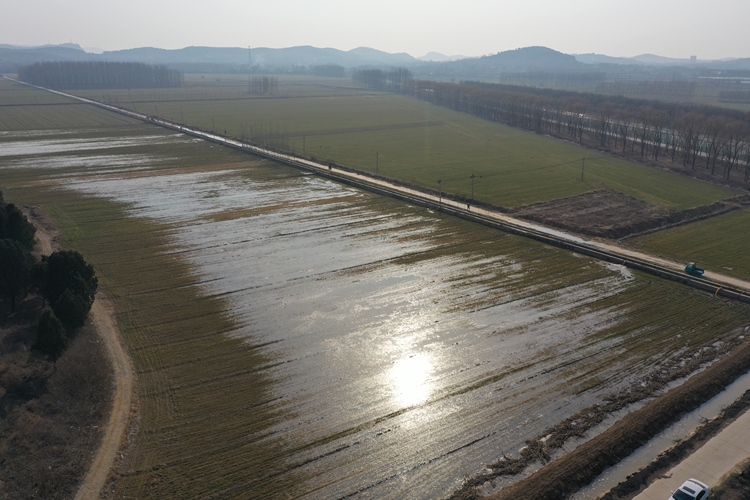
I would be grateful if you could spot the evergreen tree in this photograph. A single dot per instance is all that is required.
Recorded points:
(51, 338)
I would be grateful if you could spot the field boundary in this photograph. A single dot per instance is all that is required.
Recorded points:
(720, 286)
(102, 315)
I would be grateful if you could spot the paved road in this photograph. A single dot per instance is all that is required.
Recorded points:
(364, 178)
(714, 460)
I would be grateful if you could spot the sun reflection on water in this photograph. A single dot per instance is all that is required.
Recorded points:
(411, 379)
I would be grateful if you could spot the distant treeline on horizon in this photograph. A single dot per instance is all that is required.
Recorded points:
(100, 75)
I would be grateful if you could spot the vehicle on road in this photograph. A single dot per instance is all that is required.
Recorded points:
(694, 270)
(692, 489)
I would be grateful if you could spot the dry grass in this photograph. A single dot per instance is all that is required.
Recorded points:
(51, 412)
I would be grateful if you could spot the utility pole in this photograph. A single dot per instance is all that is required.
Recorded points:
(440, 198)
(376, 162)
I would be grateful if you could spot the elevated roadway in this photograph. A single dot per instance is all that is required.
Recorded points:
(715, 283)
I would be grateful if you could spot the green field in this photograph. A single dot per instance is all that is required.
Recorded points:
(25, 108)
(409, 140)
(397, 137)
(719, 244)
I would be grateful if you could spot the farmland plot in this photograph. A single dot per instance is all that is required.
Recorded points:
(299, 337)
(411, 141)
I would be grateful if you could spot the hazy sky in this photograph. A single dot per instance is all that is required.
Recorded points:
(676, 28)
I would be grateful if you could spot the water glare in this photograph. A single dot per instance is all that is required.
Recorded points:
(410, 378)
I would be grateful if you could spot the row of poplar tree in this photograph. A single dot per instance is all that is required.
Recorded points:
(100, 75)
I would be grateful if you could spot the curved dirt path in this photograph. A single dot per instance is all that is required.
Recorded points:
(102, 315)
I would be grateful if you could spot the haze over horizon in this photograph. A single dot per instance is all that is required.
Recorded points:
(667, 28)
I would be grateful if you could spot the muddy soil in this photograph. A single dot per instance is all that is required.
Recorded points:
(578, 468)
(614, 215)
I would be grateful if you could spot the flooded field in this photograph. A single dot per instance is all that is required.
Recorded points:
(405, 350)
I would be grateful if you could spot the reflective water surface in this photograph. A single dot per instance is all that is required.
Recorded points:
(408, 349)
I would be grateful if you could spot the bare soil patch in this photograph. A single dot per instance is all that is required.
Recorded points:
(614, 215)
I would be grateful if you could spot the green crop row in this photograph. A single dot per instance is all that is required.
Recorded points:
(721, 244)
(412, 141)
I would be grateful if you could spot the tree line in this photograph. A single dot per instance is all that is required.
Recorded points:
(394, 80)
(65, 282)
(713, 140)
(100, 75)
(262, 85)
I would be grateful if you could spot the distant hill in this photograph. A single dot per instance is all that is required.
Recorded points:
(73, 46)
(438, 57)
(531, 59)
(602, 59)
(525, 60)
(207, 58)
(380, 57)
(654, 59)
(293, 59)
(261, 56)
(11, 57)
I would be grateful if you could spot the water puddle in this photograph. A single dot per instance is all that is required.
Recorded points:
(63, 145)
(409, 349)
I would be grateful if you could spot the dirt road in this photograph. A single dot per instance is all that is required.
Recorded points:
(102, 315)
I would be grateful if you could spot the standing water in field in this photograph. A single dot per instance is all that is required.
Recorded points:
(407, 349)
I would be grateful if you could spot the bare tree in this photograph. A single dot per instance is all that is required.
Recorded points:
(714, 138)
(657, 123)
(689, 127)
(603, 121)
(735, 143)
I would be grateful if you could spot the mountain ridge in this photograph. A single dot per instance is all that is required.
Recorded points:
(217, 59)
